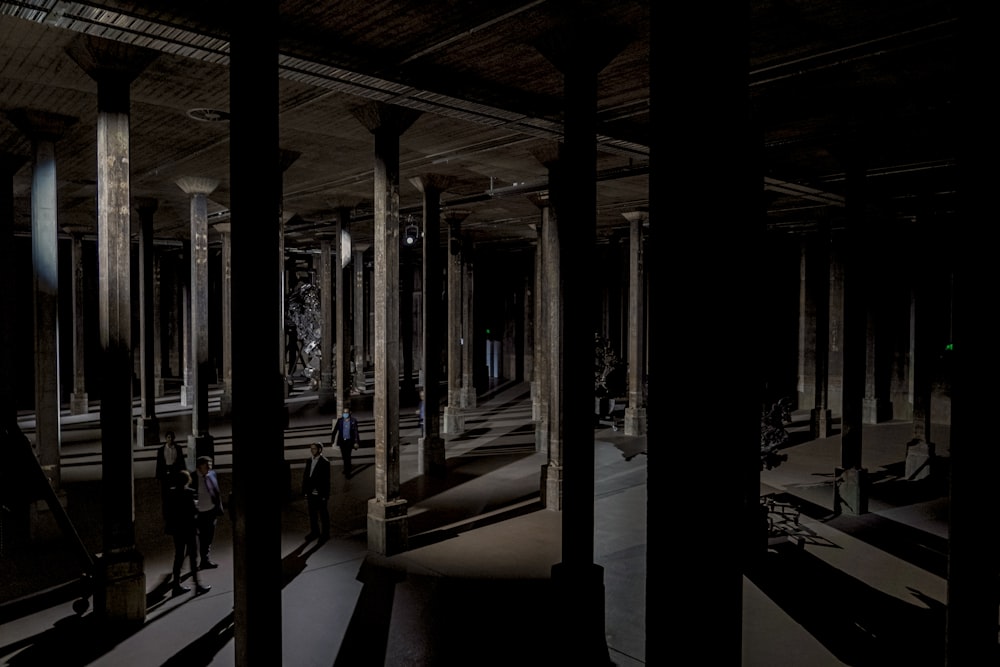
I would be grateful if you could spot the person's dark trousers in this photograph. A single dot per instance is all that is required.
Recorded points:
(345, 451)
(319, 516)
(188, 544)
(206, 533)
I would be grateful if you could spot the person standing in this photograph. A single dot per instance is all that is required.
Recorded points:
(346, 436)
(316, 488)
(169, 459)
(180, 516)
(206, 483)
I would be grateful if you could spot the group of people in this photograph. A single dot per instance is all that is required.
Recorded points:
(193, 502)
(191, 505)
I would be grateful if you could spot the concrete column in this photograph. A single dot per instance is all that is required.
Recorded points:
(806, 394)
(147, 429)
(635, 413)
(341, 266)
(407, 386)
(579, 50)
(186, 354)
(540, 385)
(260, 473)
(454, 418)
(78, 403)
(120, 595)
(528, 360)
(200, 442)
(45, 130)
(158, 388)
(552, 297)
(469, 337)
(9, 166)
(328, 322)
(430, 445)
(226, 400)
(851, 490)
(821, 417)
(920, 449)
(359, 317)
(387, 524)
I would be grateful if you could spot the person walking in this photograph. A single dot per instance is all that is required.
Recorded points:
(346, 436)
(206, 483)
(316, 488)
(180, 515)
(169, 459)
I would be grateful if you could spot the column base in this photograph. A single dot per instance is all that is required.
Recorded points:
(851, 491)
(453, 421)
(820, 423)
(635, 421)
(430, 456)
(120, 589)
(536, 401)
(78, 404)
(387, 526)
(199, 445)
(147, 432)
(42, 523)
(919, 459)
(187, 395)
(159, 388)
(580, 600)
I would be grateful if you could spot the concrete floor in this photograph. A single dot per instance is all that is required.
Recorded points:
(472, 589)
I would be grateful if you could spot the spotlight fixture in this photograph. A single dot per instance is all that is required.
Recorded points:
(411, 233)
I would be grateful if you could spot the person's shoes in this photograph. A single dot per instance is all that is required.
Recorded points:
(208, 565)
(180, 590)
(310, 537)
(201, 590)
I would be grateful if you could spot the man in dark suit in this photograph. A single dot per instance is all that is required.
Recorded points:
(346, 436)
(316, 488)
(169, 460)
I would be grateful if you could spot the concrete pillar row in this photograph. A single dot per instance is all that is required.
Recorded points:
(387, 522)
(200, 441)
(635, 413)
(430, 445)
(147, 430)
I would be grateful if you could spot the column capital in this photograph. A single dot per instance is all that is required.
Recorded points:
(540, 199)
(376, 116)
(455, 216)
(108, 59)
(41, 125)
(583, 44)
(547, 154)
(223, 227)
(435, 182)
(145, 204)
(638, 215)
(197, 185)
